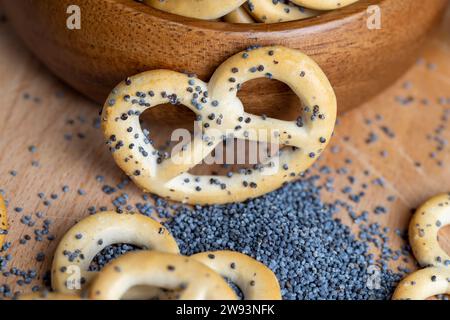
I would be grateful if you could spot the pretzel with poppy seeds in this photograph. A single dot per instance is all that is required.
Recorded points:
(92, 234)
(423, 231)
(240, 15)
(200, 9)
(423, 284)
(270, 11)
(3, 221)
(324, 4)
(223, 117)
(194, 280)
(256, 281)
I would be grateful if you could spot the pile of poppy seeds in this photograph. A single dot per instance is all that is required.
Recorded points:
(295, 234)
(291, 230)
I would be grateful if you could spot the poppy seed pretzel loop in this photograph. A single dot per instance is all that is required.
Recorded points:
(223, 116)
(423, 284)
(270, 11)
(423, 231)
(132, 149)
(200, 9)
(193, 280)
(256, 281)
(307, 136)
(92, 234)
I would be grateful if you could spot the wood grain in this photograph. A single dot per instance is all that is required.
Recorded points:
(122, 37)
(38, 110)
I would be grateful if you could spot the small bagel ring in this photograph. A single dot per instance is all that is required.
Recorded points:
(423, 284)
(423, 231)
(268, 11)
(324, 4)
(200, 9)
(92, 234)
(3, 221)
(240, 15)
(162, 270)
(49, 296)
(256, 281)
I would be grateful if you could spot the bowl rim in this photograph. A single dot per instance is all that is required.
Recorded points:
(352, 10)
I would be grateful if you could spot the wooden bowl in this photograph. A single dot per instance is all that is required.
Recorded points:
(119, 38)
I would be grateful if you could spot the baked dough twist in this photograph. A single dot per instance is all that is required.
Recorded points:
(200, 9)
(256, 281)
(324, 4)
(89, 236)
(240, 15)
(270, 11)
(3, 221)
(223, 117)
(164, 270)
(423, 284)
(423, 231)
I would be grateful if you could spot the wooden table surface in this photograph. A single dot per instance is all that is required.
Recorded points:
(50, 139)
